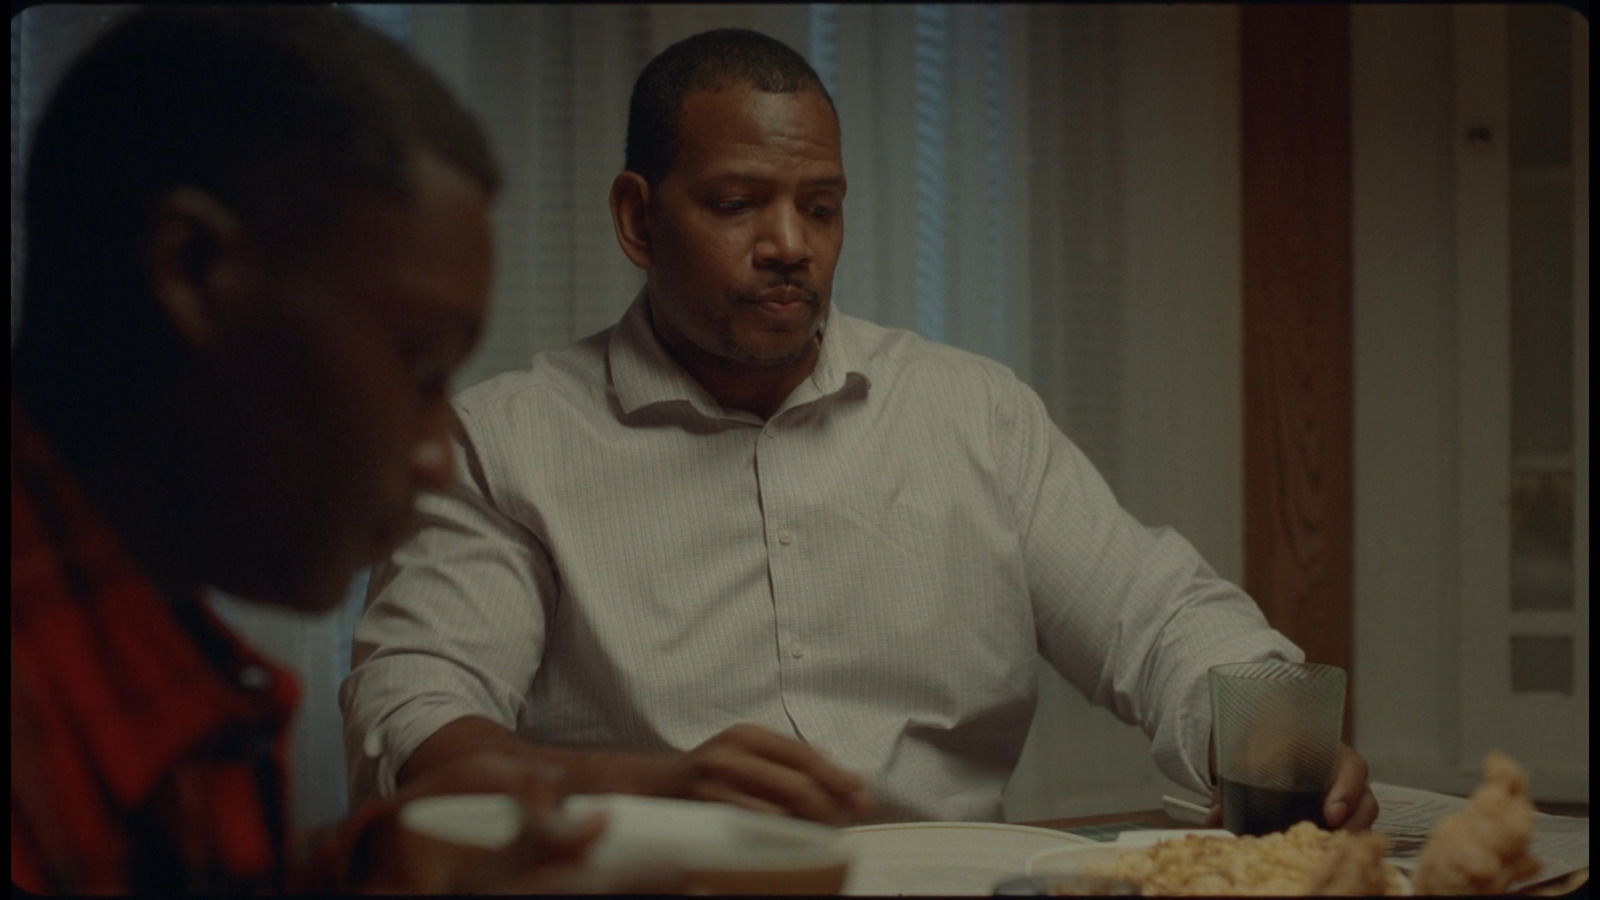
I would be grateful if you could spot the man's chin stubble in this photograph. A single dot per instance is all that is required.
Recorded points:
(736, 354)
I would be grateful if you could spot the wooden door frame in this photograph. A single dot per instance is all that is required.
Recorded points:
(1299, 520)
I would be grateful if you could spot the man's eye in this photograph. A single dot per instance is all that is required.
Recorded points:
(731, 206)
(824, 212)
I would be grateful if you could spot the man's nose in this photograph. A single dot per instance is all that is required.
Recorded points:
(783, 241)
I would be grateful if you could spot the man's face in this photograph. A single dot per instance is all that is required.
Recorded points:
(331, 398)
(746, 227)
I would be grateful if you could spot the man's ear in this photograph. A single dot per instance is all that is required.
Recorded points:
(630, 216)
(197, 260)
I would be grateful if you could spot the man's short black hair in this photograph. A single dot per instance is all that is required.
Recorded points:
(281, 114)
(711, 59)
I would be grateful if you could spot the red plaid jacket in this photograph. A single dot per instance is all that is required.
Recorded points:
(147, 743)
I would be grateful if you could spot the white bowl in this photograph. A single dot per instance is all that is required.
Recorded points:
(723, 849)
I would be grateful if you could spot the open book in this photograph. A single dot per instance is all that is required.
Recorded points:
(1407, 815)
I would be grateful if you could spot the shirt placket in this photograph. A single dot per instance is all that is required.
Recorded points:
(787, 541)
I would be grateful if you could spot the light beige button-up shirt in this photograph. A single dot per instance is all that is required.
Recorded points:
(623, 563)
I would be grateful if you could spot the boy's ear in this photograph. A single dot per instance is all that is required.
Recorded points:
(197, 260)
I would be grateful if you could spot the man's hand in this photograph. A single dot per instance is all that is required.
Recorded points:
(1350, 803)
(546, 857)
(757, 769)
(746, 765)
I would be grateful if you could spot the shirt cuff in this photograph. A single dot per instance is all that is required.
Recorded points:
(385, 748)
(1183, 752)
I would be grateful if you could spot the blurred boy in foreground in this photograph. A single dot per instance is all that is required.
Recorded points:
(258, 244)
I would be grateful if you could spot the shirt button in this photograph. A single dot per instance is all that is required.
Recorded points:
(797, 649)
(770, 434)
(785, 536)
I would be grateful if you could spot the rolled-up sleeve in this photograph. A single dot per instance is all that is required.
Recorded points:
(1132, 616)
(454, 626)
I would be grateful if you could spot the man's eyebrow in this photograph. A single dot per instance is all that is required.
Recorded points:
(832, 181)
(742, 178)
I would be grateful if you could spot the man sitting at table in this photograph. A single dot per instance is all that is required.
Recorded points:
(740, 547)
(258, 243)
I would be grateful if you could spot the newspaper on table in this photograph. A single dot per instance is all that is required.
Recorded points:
(1407, 815)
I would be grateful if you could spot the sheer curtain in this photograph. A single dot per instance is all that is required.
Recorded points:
(1050, 186)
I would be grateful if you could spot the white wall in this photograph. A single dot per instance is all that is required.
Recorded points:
(1433, 280)
(1403, 170)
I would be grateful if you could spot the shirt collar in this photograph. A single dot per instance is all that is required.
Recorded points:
(644, 374)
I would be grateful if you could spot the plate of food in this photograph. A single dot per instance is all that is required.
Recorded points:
(949, 858)
(1304, 860)
(1482, 848)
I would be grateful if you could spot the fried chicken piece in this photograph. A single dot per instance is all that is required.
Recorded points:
(1482, 848)
(1353, 868)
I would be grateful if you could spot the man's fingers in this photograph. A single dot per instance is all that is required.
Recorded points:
(1349, 791)
(735, 773)
(1366, 812)
(796, 755)
(1351, 776)
(753, 767)
(1350, 803)
(716, 792)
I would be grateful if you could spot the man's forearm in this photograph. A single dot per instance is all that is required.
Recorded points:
(573, 771)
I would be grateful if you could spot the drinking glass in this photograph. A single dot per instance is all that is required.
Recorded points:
(1277, 727)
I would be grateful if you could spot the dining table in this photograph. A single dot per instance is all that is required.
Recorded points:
(1108, 824)
(1152, 818)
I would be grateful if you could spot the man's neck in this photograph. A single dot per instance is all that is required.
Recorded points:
(757, 389)
(760, 390)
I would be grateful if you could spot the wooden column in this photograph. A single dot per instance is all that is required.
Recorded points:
(1299, 509)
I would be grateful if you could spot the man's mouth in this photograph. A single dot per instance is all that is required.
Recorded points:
(787, 293)
(785, 300)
